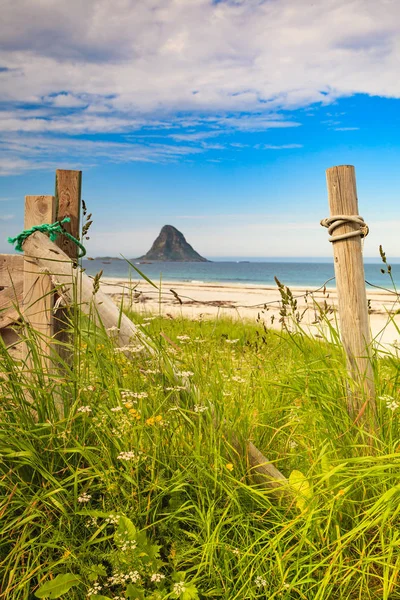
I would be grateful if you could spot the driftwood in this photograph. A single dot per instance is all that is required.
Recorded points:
(72, 284)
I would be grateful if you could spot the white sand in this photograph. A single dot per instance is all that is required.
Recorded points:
(249, 302)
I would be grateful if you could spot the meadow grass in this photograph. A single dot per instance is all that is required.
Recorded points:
(136, 490)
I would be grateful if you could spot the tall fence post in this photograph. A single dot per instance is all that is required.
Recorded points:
(68, 200)
(350, 283)
(37, 297)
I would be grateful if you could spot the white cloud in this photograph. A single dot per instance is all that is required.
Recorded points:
(45, 152)
(159, 55)
(100, 67)
(278, 147)
(347, 128)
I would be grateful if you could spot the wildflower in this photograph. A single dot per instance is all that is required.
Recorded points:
(157, 577)
(88, 388)
(185, 373)
(150, 372)
(238, 379)
(199, 408)
(390, 402)
(134, 413)
(292, 444)
(229, 466)
(125, 394)
(120, 578)
(235, 551)
(127, 456)
(227, 393)
(232, 341)
(183, 338)
(92, 522)
(95, 589)
(177, 388)
(149, 318)
(128, 545)
(113, 519)
(112, 329)
(84, 409)
(83, 498)
(260, 581)
(179, 588)
(116, 409)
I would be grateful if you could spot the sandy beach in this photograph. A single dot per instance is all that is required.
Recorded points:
(200, 300)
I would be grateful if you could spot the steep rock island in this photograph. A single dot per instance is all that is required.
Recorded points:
(171, 245)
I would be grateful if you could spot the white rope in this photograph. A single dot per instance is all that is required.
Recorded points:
(333, 222)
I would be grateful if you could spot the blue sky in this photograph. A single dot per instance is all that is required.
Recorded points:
(217, 117)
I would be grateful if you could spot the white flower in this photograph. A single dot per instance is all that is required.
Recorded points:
(84, 409)
(183, 338)
(113, 519)
(227, 393)
(149, 318)
(292, 444)
(127, 456)
(185, 373)
(112, 329)
(260, 581)
(128, 545)
(177, 388)
(199, 408)
(232, 341)
(179, 588)
(150, 372)
(390, 402)
(238, 379)
(95, 589)
(85, 497)
(157, 577)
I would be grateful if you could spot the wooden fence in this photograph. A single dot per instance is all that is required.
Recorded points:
(28, 296)
(25, 293)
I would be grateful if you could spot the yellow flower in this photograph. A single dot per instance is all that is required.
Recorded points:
(229, 466)
(128, 404)
(150, 421)
(158, 418)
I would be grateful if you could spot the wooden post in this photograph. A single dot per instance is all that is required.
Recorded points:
(37, 296)
(68, 201)
(350, 283)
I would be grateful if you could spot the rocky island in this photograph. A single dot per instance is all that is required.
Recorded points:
(171, 245)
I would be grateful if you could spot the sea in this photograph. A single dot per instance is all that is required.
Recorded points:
(308, 273)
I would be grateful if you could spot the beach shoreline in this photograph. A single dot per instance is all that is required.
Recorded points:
(251, 302)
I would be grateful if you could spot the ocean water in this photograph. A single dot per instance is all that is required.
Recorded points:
(249, 271)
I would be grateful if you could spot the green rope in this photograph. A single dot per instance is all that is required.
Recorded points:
(53, 230)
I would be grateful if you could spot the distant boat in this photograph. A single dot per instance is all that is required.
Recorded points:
(145, 262)
(106, 262)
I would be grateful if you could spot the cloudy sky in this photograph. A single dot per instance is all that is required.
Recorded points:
(219, 117)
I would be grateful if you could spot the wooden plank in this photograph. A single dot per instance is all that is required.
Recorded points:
(68, 202)
(350, 282)
(11, 288)
(38, 301)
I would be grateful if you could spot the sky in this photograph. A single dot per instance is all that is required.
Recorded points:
(219, 117)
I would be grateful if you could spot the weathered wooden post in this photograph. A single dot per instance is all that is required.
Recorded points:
(68, 204)
(346, 229)
(37, 297)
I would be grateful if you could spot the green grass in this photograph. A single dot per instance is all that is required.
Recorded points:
(187, 506)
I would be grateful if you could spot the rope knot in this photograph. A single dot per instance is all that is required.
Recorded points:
(52, 229)
(333, 222)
